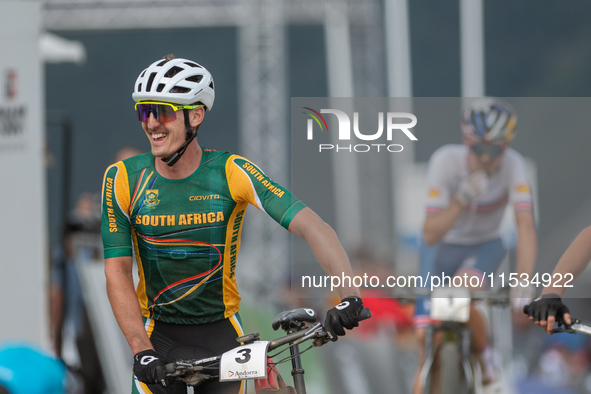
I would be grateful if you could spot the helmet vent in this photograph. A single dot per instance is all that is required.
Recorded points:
(150, 80)
(139, 87)
(160, 87)
(162, 63)
(173, 71)
(193, 64)
(143, 73)
(195, 78)
(211, 84)
(179, 89)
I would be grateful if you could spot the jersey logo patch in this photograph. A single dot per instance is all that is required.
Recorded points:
(434, 193)
(523, 188)
(152, 198)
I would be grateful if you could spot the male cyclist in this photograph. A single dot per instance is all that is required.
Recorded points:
(469, 187)
(183, 206)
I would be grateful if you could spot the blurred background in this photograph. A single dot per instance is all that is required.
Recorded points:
(67, 70)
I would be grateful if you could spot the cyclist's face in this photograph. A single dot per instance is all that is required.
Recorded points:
(487, 162)
(167, 137)
(486, 157)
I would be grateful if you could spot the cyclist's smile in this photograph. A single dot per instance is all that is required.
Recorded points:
(165, 138)
(158, 138)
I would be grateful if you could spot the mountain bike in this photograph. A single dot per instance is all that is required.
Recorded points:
(252, 359)
(450, 365)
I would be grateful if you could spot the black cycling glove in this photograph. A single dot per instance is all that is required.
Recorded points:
(149, 368)
(344, 315)
(547, 305)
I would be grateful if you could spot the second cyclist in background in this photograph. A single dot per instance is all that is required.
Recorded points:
(469, 187)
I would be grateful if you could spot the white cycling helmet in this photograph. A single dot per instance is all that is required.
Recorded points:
(177, 81)
(489, 120)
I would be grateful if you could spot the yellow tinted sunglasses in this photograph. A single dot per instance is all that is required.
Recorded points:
(163, 112)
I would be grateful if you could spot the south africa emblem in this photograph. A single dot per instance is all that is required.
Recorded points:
(152, 198)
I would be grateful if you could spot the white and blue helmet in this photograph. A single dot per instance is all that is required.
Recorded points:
(489, 120)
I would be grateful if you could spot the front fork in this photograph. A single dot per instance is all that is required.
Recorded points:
(430, 350)
(465, 343)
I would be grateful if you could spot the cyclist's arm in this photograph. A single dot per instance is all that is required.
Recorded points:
(436, 226)
(574, 260)
(325, 245)
(124, 302)
(527, 242)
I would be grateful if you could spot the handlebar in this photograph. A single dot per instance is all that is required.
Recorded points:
(490, 296)
(364, 314)
(576, 326)
(191, 365)
(317, 330)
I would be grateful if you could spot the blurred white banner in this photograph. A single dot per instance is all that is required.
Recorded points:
(23, 232)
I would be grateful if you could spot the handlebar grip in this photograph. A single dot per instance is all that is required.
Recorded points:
(364, 314)
(526, 309)
(169, 368)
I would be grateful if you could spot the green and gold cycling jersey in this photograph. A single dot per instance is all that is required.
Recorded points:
(186, 233)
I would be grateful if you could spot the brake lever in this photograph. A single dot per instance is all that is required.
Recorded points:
(568, 330)
(576, 326)
(315, 330)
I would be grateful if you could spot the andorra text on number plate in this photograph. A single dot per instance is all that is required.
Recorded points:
(245, 362)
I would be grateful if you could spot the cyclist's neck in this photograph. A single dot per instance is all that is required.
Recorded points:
(185, 166)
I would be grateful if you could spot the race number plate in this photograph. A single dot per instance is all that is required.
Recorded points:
(450, 304)
(245, 362)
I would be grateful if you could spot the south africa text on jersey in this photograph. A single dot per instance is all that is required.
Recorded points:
(110, 211)
(184, 219)
(262, 178)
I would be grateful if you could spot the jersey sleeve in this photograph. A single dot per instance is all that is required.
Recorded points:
(520, 193)
(438, 185)
(115, 224)
(248, 183)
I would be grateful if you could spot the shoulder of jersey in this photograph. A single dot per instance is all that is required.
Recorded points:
(513, 156)
(212, 155)
(138, 162)
(512, 152)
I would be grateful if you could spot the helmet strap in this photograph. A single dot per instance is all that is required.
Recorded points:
(190, 135)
